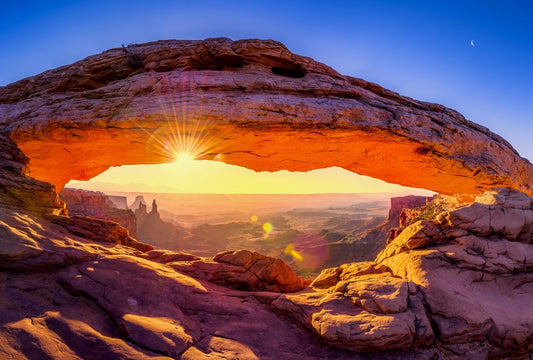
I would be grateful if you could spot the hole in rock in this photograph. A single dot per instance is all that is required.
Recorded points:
(294, 72)
(311, 220)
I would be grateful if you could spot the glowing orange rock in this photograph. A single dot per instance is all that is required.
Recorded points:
(251, 103)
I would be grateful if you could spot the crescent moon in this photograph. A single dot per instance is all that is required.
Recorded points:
(472, 42)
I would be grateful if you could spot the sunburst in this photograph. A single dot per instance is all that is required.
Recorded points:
(185, 136)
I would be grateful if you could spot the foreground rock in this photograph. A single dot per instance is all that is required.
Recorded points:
(474, 268)
(242, 270)
(456, 287)
(251, 103)
(64, 296)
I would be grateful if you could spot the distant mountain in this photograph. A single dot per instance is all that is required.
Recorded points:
(154, 231)
(139, 199)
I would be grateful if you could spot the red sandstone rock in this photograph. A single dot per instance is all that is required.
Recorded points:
(18, 190)
(397, 204)
(97, 205)
(245, 99)
(454, 287)
(242, 270)
(473, 266)
(330, 277)
(467, 276)
(98, 230)
(65, 296)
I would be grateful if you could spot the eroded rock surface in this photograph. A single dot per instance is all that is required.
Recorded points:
(251, 103)
(242, 270)
(98, 205)
(474, 267)
(65, 296)
(455, 287)
(18, 190)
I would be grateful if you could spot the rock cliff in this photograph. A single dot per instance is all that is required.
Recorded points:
(153, 230)
(18, 190)
(98, 205)
(240, 102)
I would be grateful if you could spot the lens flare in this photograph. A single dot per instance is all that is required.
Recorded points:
(289, 250)
(309, 250)
(183, 131)
(267, 229)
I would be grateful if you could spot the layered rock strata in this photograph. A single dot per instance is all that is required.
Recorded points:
(460, 284)
(451, 288)
(240, 102)
(18, 190)
(241, 270)
(98, 205)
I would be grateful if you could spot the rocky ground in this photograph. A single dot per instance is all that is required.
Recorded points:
(459, 286)
(321, 237)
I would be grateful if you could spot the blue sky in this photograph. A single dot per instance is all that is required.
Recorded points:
(418, 48)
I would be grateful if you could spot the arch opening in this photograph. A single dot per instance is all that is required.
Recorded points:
(311, 220)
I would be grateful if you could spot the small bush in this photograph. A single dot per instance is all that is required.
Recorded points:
(133, 57)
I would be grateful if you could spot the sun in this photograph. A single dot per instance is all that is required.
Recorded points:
(183, 156)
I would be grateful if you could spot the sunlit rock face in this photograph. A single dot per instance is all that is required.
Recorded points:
(251, 103)
(98, 205)
(17, 189)
(473, 267)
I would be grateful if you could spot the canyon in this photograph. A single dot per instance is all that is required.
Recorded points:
(324, 235)
(454, 281)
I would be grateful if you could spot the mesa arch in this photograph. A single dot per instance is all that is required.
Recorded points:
(252, 103)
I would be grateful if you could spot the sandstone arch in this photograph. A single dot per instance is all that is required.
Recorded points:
(256, 105)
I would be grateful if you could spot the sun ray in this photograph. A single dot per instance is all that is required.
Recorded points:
(184, 135)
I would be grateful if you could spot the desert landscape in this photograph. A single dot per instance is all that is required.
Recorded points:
(443, 273)
(327, 233)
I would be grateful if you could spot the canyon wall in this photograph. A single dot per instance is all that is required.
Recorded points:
(98, 205)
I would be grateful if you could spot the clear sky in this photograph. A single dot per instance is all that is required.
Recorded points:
(421, 49)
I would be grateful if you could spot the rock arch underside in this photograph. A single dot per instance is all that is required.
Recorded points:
(456, 285)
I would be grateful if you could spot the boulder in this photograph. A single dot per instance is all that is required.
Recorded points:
(242, 270)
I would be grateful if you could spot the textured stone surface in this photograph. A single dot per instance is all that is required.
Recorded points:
(398, 204)
(243, 270)
(18, 190)
(474, 267)
(455, 287)
(367, 313)
(98, 230)
(98, 205)
(240, 102)
(65, 296)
